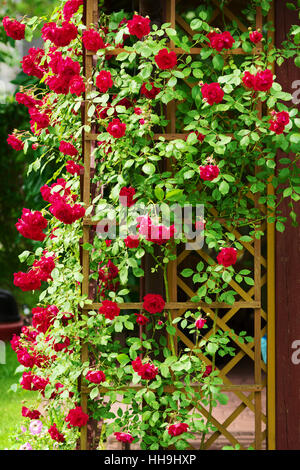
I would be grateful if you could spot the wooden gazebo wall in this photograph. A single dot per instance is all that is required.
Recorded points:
(287, 279)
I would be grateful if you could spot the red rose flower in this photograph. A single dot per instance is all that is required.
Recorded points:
(67, 148)
(200, 322)
(116, 128)
(227, 256)
(200, 136)
(31, 63)
(25, 359)
(77, 85)
(220, 41)
(177, 429)
(153, 303)
(71, 7)
(212, 93)
(132, 241)
(255, 37)
(31, 224)
(124, 437)
(126, 196)
(63, 344)
(207, 372)
(209, 172)
(139, 26)
(77, 418)
(15, 143)
(65, 212)
(109, 309)
(141, 319)
(277, 127)
(248, 79)
(13, 28)
(92, 40)
(27, 281)
(104, 81)
(27, 100)
(55, 434)
(166, 60)
(145, 371)
(95, 376)
(31, 414)
(263, 80)
(283, 117)
(73, 168)
(152, 93)
(59, 36)
(44, 266)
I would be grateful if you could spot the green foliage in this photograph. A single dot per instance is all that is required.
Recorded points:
(237, 140)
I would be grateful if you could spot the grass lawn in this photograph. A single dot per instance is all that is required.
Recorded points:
(11, 403)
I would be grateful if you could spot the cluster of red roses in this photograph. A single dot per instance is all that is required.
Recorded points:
(33, 382)
(70, 8)
(59, 36)
(66, 76)
(13, 28)
(279, 121)
(31, 225)
(39, 118)
(261, 81)
(70, 150)
(40, 271)
(146, 371)
(62, 202)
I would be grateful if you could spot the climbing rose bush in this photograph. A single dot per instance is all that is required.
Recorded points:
(223, 158)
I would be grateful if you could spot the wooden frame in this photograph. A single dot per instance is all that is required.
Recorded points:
(250, 299)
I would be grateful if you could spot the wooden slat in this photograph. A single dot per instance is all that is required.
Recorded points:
(90, 17)
(178, 305)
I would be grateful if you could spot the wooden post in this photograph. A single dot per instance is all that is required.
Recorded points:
(90, 17)
(287, 279)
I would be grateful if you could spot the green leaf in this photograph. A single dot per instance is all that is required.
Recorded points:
(224, 187)
(196, 24)
(280, 227)
(297, 61)
(159, 193)
(212, 348)
(23, 256)
(148, 168)
(123, 359)
(174, 194)
(187, 272)
(94, 393)
(218, 62)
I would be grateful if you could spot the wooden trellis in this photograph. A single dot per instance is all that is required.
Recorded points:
(249, 395)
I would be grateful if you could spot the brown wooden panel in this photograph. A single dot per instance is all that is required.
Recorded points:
(287, 284)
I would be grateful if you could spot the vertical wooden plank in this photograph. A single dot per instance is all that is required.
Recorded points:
(271, 303)
(287, 278)
(90, 17)
(257, 297)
